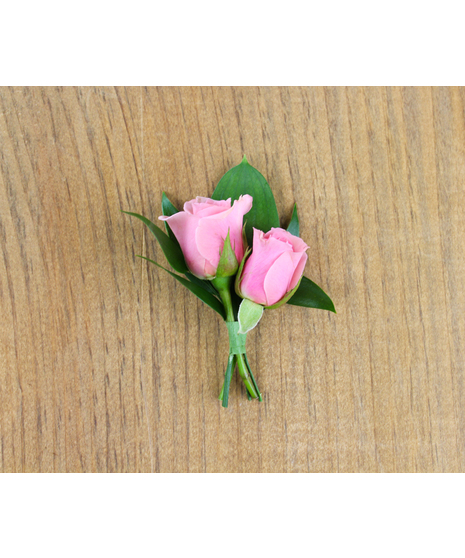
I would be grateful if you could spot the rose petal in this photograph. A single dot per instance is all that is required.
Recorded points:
(212, 231)
(297, 243)
(277, 280)
(265, 252)
(209, 270)
(184, 226)
(299, 269)
(203, 207)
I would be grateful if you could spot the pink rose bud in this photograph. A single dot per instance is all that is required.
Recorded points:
(202, 228)
(274, 268)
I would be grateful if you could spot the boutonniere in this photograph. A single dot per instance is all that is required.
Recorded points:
(230, 251)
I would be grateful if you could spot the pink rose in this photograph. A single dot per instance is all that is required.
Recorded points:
(202, 228)
(274, 268)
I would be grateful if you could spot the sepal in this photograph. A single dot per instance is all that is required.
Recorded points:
(245, 244)
(228, 264)
(237, 283)
(250, 313)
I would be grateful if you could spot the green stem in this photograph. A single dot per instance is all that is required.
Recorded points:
(247, 377)
(223, 286)
(227, 379)
(260, 398)
(244, 374)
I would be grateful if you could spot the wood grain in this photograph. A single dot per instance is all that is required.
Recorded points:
(107, 365)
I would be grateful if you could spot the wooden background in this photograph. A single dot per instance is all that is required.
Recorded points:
(108, 365)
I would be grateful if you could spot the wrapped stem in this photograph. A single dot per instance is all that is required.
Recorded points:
(237, 342)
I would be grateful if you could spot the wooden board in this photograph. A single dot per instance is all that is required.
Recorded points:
(107, 365)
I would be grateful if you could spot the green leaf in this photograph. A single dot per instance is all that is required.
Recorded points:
(201, 283)
(310, 295)
(200, 292)
(170, 248)
(168, 209)
(249, 315)
(293, 226)
(245, 179)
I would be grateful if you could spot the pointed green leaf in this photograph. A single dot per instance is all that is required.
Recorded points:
(206, 285)
(200, 292)
(168, 209)
(249, 315)
(170, 248)
(245, 179)
(310, 295)
(293, 226)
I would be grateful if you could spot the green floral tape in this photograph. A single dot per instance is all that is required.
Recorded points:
(236, 340)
